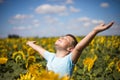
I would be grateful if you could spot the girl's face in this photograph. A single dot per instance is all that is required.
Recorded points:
(63, 42)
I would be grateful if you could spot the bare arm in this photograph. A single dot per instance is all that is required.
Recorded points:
(39, 49)
(85, 41)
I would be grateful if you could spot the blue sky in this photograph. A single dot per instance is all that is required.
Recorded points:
(46, 18)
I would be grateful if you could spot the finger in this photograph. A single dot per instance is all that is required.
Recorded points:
(102, 24)
(34, 41)
(110, 24)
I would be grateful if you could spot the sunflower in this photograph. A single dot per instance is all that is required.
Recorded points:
(44, 75)
(75, 68)
(18, 56)
(118, 66)
(3, 60)
(35, 69)
(30, 51)
(27, 76)
(3, 53)
(89, 62)
(15, 46)
(24, 47)
(30, 60)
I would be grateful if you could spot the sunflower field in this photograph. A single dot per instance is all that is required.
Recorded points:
(100, 60)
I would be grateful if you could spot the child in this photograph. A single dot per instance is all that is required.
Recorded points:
(67, 51)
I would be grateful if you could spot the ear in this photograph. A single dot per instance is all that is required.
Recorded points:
(70, 49)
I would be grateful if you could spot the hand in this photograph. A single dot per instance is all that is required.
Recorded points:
(30, 42)
(103, 27)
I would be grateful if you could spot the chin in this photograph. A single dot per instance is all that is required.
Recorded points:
(57, 43)
(57, 46)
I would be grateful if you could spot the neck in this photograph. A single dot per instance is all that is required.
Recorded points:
(61, 53)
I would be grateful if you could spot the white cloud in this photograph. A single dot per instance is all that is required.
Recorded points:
(97, 21)
(21, 19)
(50, 19)
(72, 9)
(36, 23)
(32, 24)
(86, 21)
(64, 14)
(15, 21)
(69, 1)
(22, 28)
(86, 24)
(22, 16)
(19, 28)
(104, 5)
(83, 19)
(50, 9)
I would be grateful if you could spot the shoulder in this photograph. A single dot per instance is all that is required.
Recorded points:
(47, 55)
(69, 57)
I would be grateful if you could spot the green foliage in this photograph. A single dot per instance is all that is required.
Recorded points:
(11, 70)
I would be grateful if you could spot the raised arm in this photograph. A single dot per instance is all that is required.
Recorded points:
(39, 49)
(85, 41)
